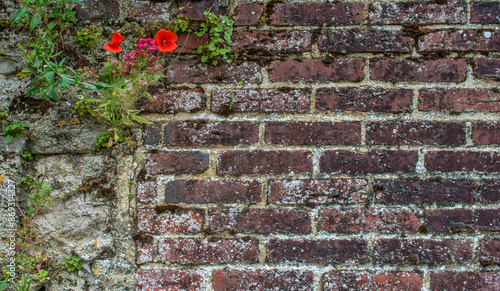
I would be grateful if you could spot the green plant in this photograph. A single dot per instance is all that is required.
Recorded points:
(89, 36)
(26, 155)
(23, 285)
(3, 116)
(39, 196)
(14, 130)
(3, 285)
(220, 30)
(181, 24)
(72, 264)
(105, 140)
(28, 180)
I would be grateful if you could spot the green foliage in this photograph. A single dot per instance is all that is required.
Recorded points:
(23, 285)
(181, 24)
(26, 156)
(3, 116)
(72, 264)
(14, 130)
(28, 180)
(89, 36)
(220, 30)
(105, 140)
(50, 19)
(3, 285)
(40, 192)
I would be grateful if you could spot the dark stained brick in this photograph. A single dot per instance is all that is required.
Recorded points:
(459, 100)
(147, 11)
(317, 14)
(247, 13)
(455, 220)
(152, 134)
(473, 280)
(490, 190)
(271, 42)
(490, 251)
(174, 101)
(347, 280)
(485, 12)
(486, 133)
(462, 161)
(460, 40)
(316, 70)
(177, 162)
(186, 220)
(313, 133)
(148, 280)
(403, 70)
(264, 279)
(364, 41)
(197, 72)
(487, 68)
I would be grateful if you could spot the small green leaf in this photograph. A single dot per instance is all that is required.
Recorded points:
(9, 138)
(52, 24)
(34, 21)
(19, 14)
(215, 62)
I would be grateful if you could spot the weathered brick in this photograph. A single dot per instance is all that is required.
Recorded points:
(462, 161)
(293, 280)
(364, 99)
(417, 13)
(92, 9)
(144, 252)
(208, 251)
(490, 251)
(442, 70)
(317, 251)
(373, 41)
(146, 191)
(147, 11)
(375, 161)
(486, 132)
(261, 100)
(415, 133)
(317, 14)
(178, 220)
(152, 134)
(454, 220)
(247, 13)
(459, 100)
(195, 9)
(490, 190)
(197, 72)
(460, 40)
(271, 42)
(379, 220)
(346, 280)
(261, 220)
(177, 162)
(213, 191)
(173, 101)
(487, 68)
(316, 70)
(321, 191)
(421, 251)
(456, 280)
(264, 162)
(190, 42)
(423, 191)
(485, 12)
(313, 133)
(157, 280)
(203, 133)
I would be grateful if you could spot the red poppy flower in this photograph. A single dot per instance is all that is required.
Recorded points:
(114, 44)
(165, 39)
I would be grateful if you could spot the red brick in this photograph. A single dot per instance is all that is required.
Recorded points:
(373, 41)
(364, 99)
(144, 252)
(317, 251)
(262, 100)
(485, 12)
(179, 220)
(108, 9)
(147, 11)
(490, 191)
(189, 45)
(462, 161)
(443, 70)
(477, 281)
(203, 133)
(459, 100)
(316, 14)
(487, 68)
(322, 191)
(375, 161)
(490, 251)
(213, 191)
(417, 13)
(177, 162)
(264, 162)
(160, 280)
(346, 280)
(248, 13)
(423, 191)
(313, 133)
(271, 42)
(152, 134)
(415, 133)
(486, 132)
(296, 280)
(260, 220)
(421, 251)
(455, 220)
(195, 9)
(146, 191)
(316, 70)
(460, 40)
(208, 251)
(173, 101)
(379, 220)
(197, 72)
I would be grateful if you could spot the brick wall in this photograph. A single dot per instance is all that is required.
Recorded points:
(361, 152)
